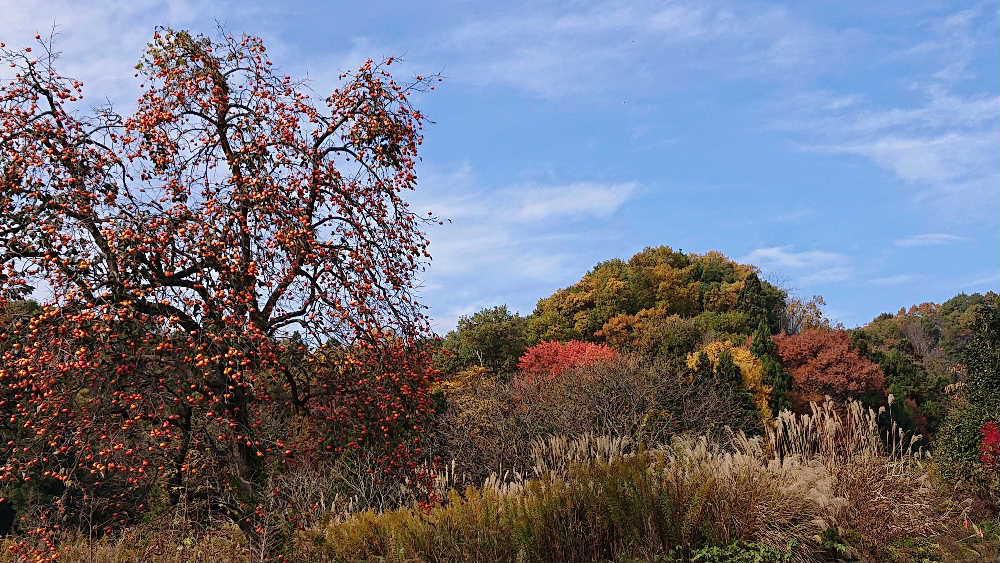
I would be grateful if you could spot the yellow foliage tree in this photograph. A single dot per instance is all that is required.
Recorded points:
(751, 370)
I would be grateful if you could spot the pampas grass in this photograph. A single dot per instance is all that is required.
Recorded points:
(832, 473)
(833, 483)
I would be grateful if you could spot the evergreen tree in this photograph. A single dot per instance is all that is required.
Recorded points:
(775, 376)
(958, 444)
(728, 373)
(754, 302)
(982, 359)
(703, 367)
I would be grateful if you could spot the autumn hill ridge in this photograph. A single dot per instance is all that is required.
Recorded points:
(662, 302)
(231, 360)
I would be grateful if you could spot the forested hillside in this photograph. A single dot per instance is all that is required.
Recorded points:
(659, 360)
(666, 345)
(667, 304)
(229, 360)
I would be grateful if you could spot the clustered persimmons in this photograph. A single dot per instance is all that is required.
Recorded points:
(182, 246)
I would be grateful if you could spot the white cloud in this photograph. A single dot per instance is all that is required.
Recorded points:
(456, 195)
(950, 157)
(806, 268)
(519, 241)
(100, 45)
(928, 239)
(494, 227)
(953, 41)
(583, 199)
(794, 215)
(985, 282)
(101, 42)
(781, 257)
(944, 144)
(603, 46)
(942, 109)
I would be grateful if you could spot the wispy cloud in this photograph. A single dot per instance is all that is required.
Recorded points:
(898, 279)
(583, 199)
(806, 267)
(943, 144)
(951, 158)
(985, 282)
(101, 42)
(794, 215)
(602, 46)
(456, 195)
(102, 45)
(928, 239)
(498, 240)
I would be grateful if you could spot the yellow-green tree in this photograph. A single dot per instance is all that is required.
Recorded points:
(621, 299)
(750, 366)
(652, 332)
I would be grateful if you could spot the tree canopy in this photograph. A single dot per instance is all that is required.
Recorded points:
(723, 298)
(493, 338)
(182, 245)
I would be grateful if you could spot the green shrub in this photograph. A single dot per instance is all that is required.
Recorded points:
(740, 552)
(958, 444)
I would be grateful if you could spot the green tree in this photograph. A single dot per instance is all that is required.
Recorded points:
(728, 373)
(958, 442)
(775, 376)
(703, 368)
(493, 338)
(919, 349)
(727, 370)
(761, 303)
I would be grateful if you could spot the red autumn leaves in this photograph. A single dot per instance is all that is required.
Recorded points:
(183, 245)
(989, 446)
(550, 359)
(823, 362)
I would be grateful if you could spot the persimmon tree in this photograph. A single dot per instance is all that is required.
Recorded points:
(181, 246)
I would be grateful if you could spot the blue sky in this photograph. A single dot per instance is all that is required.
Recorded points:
(849, 149)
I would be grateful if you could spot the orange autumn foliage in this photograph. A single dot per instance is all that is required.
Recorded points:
(183, 245)
(822, 362)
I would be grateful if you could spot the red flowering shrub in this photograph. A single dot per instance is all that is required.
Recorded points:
(822, 362)
(548, 360)
(989, 447)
